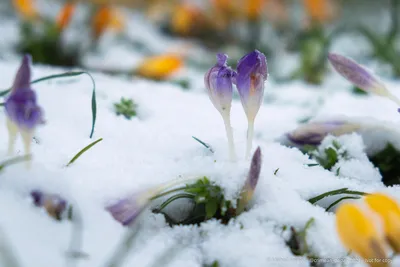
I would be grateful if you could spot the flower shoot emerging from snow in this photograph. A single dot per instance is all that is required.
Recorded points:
(53, 204)
(218, 81)
(360, 76)
(23, 112)
(252, 72)
(65, 15)
(251, 181)
(314, 132)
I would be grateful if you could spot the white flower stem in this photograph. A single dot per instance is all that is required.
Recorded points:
(229, 135)
(12, 136)
(394, 99)
(250, 133)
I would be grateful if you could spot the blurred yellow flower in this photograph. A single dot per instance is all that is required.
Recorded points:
(359, 230)
(26, 9)
(320, 10)
(389, 210)
(184, 17)
(106, 17)
(65, 15)
(254, 8)
(159, 67)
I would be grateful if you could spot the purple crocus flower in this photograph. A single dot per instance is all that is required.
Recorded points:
(359, 76)
(218, 81)
(313, 133)
(127, 210)
(22, 110)
(54, 204)
(251, 181)
(252, 72)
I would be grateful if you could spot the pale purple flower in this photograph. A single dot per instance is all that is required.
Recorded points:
(357, 74)
(218, 81)
(127, 210)
(251, 181)
(252, 72)
(21, 105)
(54, 204)
(313, 133)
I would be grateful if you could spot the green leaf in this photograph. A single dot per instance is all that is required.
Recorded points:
(334, 193)
(14, 161)
(83, 151)
(173, 198)
(339, 200)
(69, 74)
(211, 208)
(204, 144)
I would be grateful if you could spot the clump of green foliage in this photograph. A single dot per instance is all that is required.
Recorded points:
(126, 107)
(388, 163)
(208, 202)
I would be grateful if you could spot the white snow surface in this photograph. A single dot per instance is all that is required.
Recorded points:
(157, 146)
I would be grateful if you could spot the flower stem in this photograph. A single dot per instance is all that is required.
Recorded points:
(229, 135)
(250, 133)
(394, 99)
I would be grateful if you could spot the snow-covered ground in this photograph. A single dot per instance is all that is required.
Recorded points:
(157, 146)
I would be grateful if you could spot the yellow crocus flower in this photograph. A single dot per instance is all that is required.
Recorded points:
(26, 8)
(159, 67)
(64, 17)
(359, 230)
(389, 210)
(184, 17)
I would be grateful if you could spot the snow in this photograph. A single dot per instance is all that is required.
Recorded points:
(157, 146)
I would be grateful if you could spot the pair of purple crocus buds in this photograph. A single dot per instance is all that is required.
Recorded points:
(22, 110)
(249, 79)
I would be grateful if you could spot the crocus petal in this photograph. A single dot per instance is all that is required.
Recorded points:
(23, 77)
(52, 203)
(21, 105)
(159, 67)
(252, 72)
(389, 210)
(359, 230)
(314, 132)
(357, 75)
(218, 81)
(65, 15)
(128, 209)
(251, 181)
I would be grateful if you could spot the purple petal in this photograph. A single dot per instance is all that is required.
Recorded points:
(21, 108)
(54, 204)
(127, 210)
(218, 81)
(252, 72)
(255, 169)
(314, 133)
(23, 77)
(356, 74)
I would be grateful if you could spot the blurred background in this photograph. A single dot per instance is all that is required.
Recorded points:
(173, 39)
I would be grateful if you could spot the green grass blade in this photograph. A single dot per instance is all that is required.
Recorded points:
(339, 200)
(172, 199)
(14, 161)
(83, 151)
(335, 192)
(204, 144)
(69, 74)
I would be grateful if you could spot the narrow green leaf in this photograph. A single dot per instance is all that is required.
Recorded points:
(335, 192)
(204, 144)
(211, 208)
(83, 151)
(339, 200)
(173, 198)
(69, 74)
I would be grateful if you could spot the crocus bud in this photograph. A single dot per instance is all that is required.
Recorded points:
(389, 211)
(359, 76)
(314, 132)
(22, 110)
(251, 181)
(360, 231)
(53, 204)
(160, 67)
(218, 81)
(26, 8)
(252, 72)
